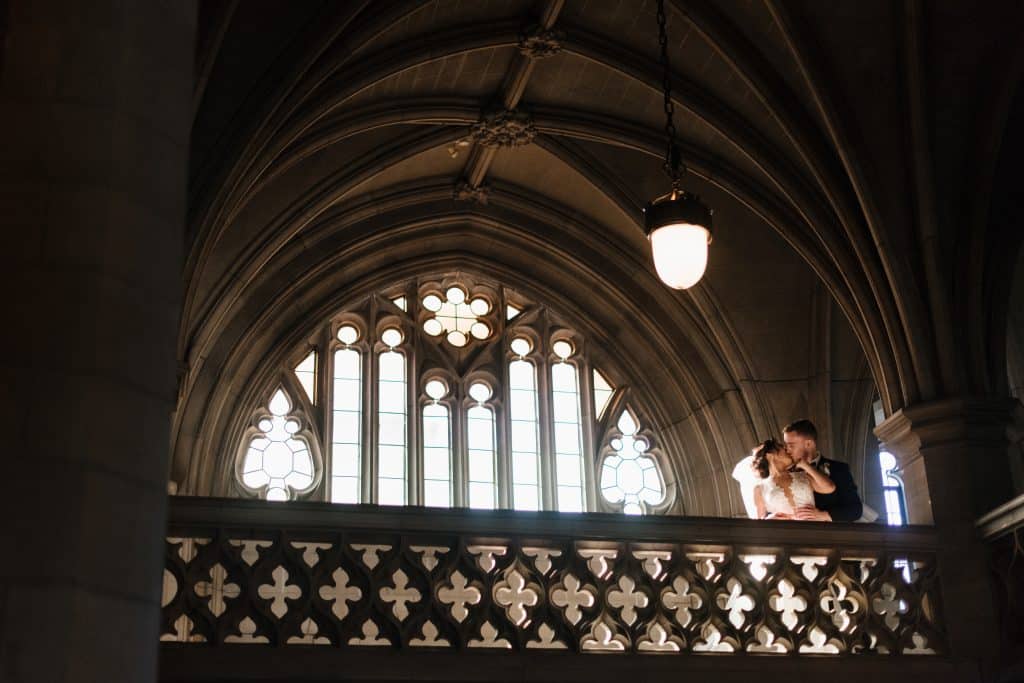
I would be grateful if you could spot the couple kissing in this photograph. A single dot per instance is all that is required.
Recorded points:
(792, 480)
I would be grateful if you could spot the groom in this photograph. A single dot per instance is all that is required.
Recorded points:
(843, 504)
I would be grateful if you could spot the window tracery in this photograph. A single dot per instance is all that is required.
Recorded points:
(278, 463)
(451, 391)
(630, 477)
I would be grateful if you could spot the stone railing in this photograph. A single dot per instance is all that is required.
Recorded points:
(368, 578)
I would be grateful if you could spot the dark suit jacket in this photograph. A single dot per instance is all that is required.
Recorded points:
(844, 503)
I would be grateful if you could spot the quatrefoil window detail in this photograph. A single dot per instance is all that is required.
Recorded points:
(217, 590)
(572, 598)
(787, 603)
(735, 602)
(680, 600)
(340, 593)
(838, 604)
(401, 594)
(515, 595)
(890, 606)
(627, 599)
(456, 317)
(279, 591)
(459, 594)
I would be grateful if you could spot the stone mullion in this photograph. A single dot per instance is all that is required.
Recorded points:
(545, 426)
(588, 427)
(502, 414)
(368, 461)
(414, 453)
(324, 405)
(458, 431)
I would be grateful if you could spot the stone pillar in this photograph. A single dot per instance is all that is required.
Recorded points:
(95, 109)
(953, 456)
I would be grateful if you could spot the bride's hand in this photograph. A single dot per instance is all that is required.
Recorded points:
(779, 515)
(809, 513)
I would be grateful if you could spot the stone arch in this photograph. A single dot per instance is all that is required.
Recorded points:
(682, 414)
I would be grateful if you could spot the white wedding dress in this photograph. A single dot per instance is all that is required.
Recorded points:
(785, 499)
(749, 480)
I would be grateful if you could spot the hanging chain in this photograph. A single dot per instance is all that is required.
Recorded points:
(673, 163)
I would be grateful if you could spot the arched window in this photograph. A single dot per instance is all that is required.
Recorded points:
(892, 490)
(278, 462)
(451, 391)
(630, 477)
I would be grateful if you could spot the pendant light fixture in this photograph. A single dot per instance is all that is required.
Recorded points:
(678, 223)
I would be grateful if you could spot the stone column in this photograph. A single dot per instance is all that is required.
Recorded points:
(953, 457)
(95, 108)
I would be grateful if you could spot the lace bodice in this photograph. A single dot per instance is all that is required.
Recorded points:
(776, 500)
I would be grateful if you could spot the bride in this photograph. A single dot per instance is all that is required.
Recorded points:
(784, 487)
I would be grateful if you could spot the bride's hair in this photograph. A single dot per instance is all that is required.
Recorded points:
(761, 455)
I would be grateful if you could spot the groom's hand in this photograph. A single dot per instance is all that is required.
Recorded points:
(809, 513)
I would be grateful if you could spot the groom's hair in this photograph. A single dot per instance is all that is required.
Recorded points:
(804, 428)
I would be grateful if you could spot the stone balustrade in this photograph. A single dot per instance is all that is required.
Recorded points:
(357, 577)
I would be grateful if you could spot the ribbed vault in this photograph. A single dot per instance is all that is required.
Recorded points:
(337, 167)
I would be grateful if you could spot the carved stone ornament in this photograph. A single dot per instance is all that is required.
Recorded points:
(464, 192)
(538, 43)
(504, 128)
(571, 594)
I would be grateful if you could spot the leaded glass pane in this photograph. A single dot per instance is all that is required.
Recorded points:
(523, 415)
(305, 372)
(391, 491)
(456, 317)
(392, 451)
(565, 401)
(348, 393)
(629, 475)
(481, 496)
(437, 456)
(602, 393)
(482, 480)
(281, 455)
(275, 458)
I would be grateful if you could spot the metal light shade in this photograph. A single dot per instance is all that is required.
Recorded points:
(679, 227)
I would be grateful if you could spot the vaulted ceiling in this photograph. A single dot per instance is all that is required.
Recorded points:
(333, 146)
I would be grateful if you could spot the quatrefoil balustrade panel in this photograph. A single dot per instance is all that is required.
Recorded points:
(310, 574)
